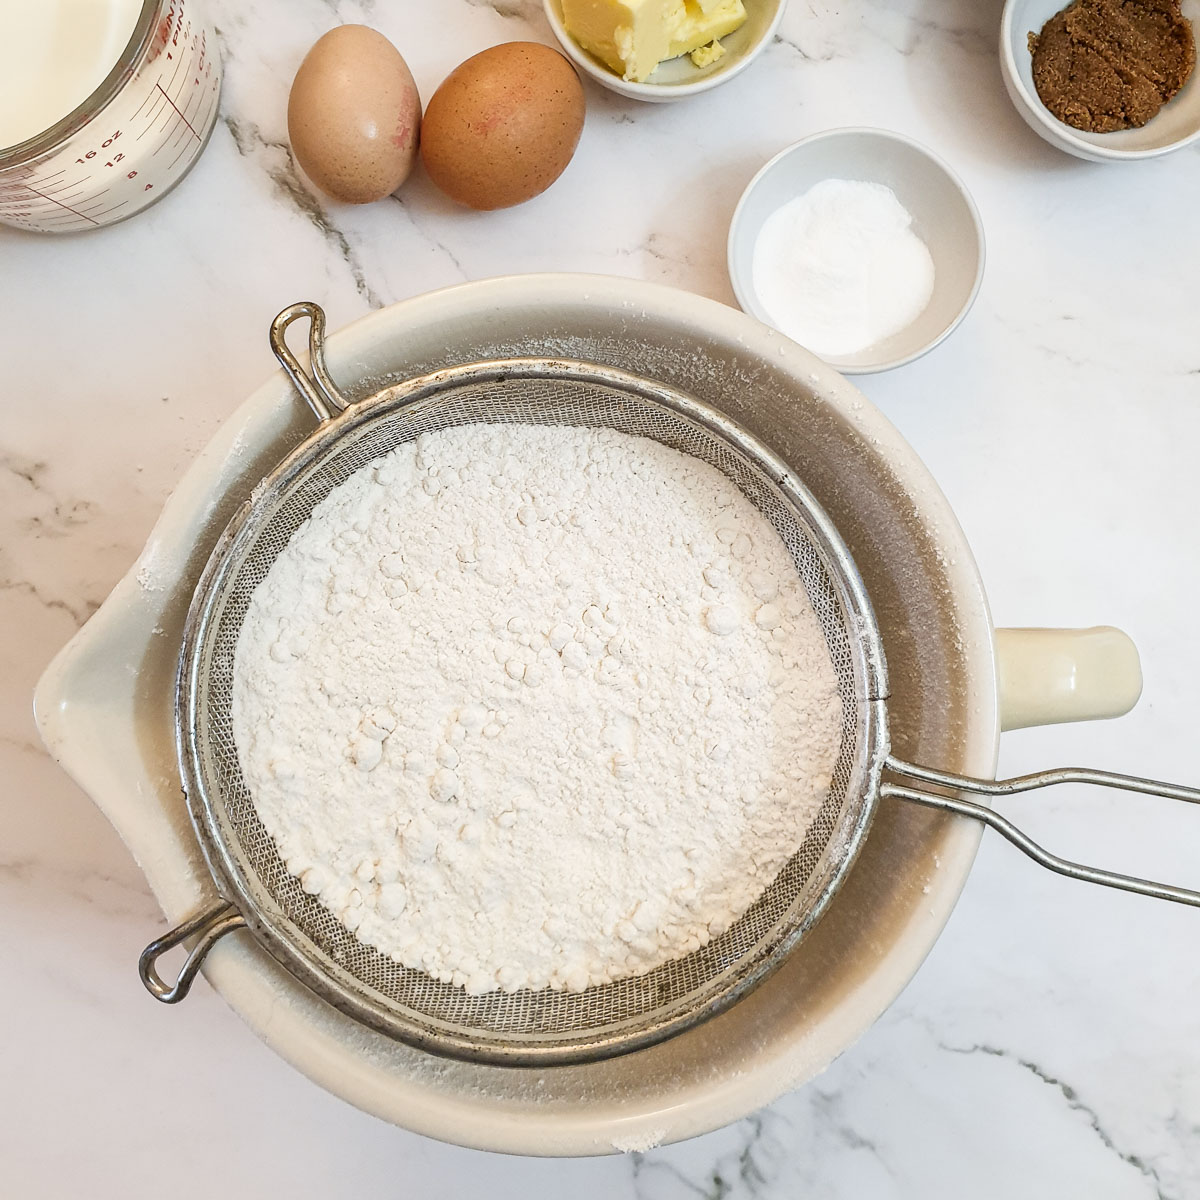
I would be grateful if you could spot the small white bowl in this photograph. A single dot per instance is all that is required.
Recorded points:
(943, 214)
(679, 77)
(1176, 126)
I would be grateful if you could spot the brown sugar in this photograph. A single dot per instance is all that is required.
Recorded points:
(1103, 65)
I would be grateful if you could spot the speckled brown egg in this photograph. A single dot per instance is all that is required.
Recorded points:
(503, 125)
(354, 115)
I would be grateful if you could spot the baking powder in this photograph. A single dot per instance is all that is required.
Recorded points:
(839, 268)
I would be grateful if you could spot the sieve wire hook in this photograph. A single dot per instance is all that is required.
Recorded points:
(1020, 839)
(210, 926)
(323, 396)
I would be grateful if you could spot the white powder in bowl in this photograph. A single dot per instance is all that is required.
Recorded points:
(839, 268)
(535, 706)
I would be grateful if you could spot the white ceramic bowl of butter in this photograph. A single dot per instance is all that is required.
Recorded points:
(678, 78)
(1176, 125)
(943, 214)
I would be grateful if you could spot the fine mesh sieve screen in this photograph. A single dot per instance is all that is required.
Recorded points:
(544, 1025)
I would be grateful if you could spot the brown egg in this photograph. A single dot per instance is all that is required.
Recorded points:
(354, 115)
(503, 125)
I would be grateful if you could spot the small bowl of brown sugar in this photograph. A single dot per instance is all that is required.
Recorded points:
(1105, 80)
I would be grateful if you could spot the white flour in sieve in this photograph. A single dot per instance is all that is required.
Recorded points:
(535, 706)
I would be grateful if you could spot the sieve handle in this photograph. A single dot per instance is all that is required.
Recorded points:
(318, 389)
(1028, 783)
(209, 927)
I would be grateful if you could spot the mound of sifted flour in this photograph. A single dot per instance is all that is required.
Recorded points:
(535, 706)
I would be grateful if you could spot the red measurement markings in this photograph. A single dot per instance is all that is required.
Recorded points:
(187, 146)
(174, 135)
(60, 204)
(201, 119)
(150, 96)
(157, 108)
(105, 211)
(199, 116)
(58, 185)
(81, 201)
(48, 178)
(169, 87)
(64, 191)
(89, 204)
(161, 36)
(208, 108)
(180, 115)
(61, 187)
(160, 103)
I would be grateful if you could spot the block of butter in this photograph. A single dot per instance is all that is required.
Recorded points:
(633, 36)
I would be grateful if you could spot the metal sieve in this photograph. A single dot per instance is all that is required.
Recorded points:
(547, 1026)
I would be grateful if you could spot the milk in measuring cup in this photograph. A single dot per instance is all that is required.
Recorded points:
(53, 55)
(104, 106)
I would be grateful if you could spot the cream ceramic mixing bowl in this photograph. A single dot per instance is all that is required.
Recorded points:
(105, 709)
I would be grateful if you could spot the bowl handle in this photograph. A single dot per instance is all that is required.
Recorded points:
(1048, 676)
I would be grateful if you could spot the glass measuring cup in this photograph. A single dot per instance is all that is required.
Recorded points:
(131, 140)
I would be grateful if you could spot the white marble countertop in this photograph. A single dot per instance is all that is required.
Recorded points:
(1051, 1044)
